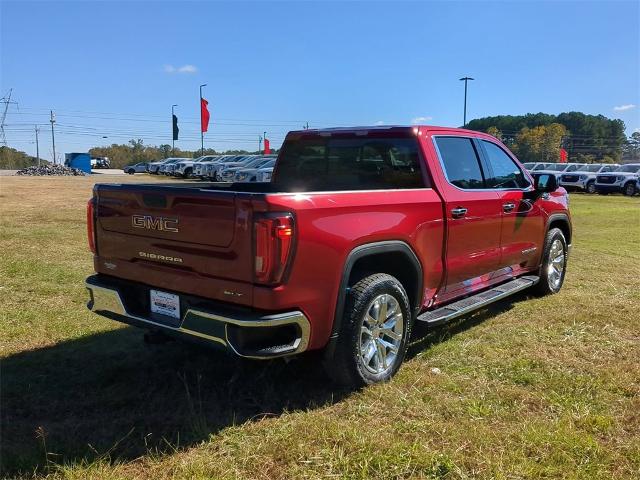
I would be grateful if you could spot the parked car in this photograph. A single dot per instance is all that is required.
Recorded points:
(201, 169)
(140, 167)
(253, 174)
(360, 233)
(623, 179)
(584, 177)
(167, 167)
(154, 167)
(212, 169)
(184, 168)
(555, 168)
(216, 169)
(264, 174)
(229, 174)
(537, 166)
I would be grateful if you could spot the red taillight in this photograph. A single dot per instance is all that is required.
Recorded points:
(274, 234)
(91, 231)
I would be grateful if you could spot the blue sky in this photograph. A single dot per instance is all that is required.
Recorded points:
(115, 68)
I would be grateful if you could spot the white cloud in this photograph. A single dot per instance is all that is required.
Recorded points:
(418, 120)
(183, 69)
(622, 108)
(188, 69)
(380, 122)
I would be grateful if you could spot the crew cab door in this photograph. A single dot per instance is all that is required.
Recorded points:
(522, 228)
(473, 215)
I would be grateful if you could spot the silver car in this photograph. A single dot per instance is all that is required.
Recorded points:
(140, 167)
(186, 168)
(584, 177)
(229, 173)
(253, 174)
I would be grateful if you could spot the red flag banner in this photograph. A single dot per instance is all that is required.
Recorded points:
(563, 155)
(204, 115)
(267, 148)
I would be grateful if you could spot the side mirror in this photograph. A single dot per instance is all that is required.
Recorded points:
(545, 183)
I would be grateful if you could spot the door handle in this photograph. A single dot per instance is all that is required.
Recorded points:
(508, 207)
(458, 212)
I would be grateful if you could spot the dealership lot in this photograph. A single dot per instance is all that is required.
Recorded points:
(525, 389)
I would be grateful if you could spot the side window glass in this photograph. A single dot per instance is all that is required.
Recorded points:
(460, 161)
(506, 173)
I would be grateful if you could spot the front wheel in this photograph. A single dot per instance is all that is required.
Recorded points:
(376, 326)
(131, 171)
(591, 188)
(187, 173)
(554, 263)
(630, 189)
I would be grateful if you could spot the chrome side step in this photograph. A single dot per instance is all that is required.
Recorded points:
(476, 301)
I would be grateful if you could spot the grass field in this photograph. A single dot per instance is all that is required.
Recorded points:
(530, 388)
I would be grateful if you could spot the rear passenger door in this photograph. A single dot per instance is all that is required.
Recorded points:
(522, 220)
(472, 213)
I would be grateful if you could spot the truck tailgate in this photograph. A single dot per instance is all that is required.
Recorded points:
(180, 238)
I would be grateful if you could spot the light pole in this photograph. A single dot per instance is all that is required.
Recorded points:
(201, 130)
(53, 135)
(466, 79)
(173, 131)
(37, 146)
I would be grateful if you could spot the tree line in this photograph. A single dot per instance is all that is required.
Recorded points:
(538, 137)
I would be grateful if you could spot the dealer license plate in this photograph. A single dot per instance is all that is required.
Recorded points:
(165, 303)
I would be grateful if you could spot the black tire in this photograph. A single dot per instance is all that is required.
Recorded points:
(629, 189)
(187, 172)
(131, 171)
(591, 188)
(550, 283)
(344, 361)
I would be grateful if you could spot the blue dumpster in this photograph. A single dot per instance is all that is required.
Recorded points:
(81, 161)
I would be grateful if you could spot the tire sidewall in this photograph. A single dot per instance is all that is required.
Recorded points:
(554, 234)
(591, 188)
(355, 310)
(629, 189)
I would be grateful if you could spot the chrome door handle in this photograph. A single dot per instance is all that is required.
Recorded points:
(458, 212)
(508, 207)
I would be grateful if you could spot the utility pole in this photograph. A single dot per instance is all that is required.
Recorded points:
(201, 132)
(173, 136)
(264, 135)
(37, 145)
(306, 126)
(259, 143)
(465, 79)
(7, 101)
(53, 135)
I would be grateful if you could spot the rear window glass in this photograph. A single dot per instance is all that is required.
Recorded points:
(348, 163)
(460, 161)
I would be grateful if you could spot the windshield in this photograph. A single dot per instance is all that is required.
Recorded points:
(574, 168)
(348, 161)
(608, 168)
(628, 168)
(558, 167)
(528, 165)
(540, 166)
(591, 168)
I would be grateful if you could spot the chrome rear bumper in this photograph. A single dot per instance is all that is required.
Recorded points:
(247, 335)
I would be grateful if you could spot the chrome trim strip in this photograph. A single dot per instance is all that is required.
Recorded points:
(108, 299)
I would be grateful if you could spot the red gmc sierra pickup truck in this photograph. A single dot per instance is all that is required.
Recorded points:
(361, 232)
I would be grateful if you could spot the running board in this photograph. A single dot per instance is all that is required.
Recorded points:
(479, 300)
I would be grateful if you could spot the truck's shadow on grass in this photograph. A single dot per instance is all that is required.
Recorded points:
(110, 394)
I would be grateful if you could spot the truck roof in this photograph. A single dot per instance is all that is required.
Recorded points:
(399, 128)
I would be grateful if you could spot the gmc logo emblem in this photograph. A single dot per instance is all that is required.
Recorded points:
(149, 222)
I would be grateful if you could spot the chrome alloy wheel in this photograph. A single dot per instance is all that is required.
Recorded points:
(556, 263)
(381, 334)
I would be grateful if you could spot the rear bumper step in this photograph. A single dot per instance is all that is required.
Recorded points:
(466, 305)
(250, 335)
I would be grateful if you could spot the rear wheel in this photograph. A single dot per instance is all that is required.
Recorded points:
(376, 326)
(554, 263)
(187, 172)
(629, 189)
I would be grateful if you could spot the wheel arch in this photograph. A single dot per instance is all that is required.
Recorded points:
(561, 221)
(395, 257)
